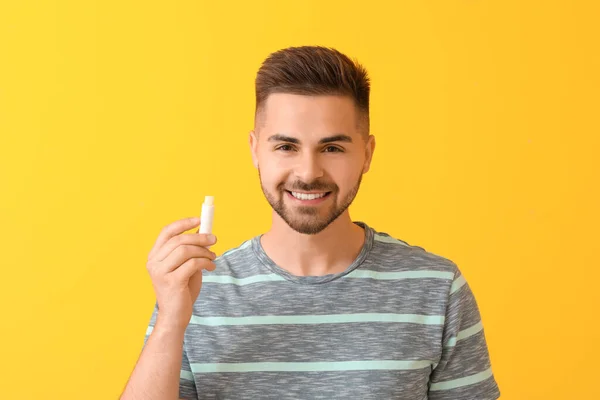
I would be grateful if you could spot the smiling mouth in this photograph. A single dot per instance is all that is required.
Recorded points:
(308, 196)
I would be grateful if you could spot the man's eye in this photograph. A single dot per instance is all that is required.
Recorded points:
(285, 147)
(332, 149)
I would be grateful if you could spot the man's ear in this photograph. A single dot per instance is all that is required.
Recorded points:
(369, 150)
(253, 142)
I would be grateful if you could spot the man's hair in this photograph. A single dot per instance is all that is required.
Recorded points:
(313, 70)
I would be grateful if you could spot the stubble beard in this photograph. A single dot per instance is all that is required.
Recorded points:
(307, 219)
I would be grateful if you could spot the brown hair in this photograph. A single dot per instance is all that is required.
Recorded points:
(313, 70)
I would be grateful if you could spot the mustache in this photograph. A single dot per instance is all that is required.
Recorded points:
(310, 187)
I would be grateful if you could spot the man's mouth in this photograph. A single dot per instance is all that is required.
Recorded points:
(308, 196)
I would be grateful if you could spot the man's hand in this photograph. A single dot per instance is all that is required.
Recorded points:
(175, 264)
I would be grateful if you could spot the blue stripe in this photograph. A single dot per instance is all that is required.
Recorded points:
(457, 284)
(187, 375)
(478, 327)
(310, 366)
(226, 279)
(389, 239)
(456, 383)
(319, 319)
(400, 275)
(357, 274)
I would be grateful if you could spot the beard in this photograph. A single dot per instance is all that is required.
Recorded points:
(308, 219)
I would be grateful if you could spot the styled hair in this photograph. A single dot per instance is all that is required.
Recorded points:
(313, 70)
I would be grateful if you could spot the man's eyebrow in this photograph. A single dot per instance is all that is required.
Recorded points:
(283, 138)
(336, 138)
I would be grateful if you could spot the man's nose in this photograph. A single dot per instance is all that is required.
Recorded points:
(308, 168)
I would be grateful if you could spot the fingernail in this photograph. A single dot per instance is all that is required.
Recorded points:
(211, 238)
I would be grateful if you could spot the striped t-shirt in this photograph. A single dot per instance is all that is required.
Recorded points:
(398, 323)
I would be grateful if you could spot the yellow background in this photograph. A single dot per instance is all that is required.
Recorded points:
(116, 118)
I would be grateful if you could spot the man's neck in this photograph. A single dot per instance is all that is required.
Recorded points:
(328, 252)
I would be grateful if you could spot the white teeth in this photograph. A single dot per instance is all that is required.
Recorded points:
(304, 196)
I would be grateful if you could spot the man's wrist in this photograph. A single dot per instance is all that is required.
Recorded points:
(165, 327)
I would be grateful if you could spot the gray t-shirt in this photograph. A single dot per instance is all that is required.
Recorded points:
(398, 323)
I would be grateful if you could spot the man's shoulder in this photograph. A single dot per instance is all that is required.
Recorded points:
(241, 250)
(235, 260)
(399, 254)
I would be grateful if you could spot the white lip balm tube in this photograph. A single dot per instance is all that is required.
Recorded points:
(206, 217)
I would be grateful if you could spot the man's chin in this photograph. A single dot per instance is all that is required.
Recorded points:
(307, 229)
(307, 224)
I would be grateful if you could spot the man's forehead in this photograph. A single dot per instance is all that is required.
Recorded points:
(308, 118)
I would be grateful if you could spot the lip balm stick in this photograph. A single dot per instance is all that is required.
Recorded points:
(207, 215)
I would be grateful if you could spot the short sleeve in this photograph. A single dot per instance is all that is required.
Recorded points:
(187, 385)
(464, 370)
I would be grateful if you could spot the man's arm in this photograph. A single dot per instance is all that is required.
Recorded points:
(156, 374)
(175, 265)
(464, 370)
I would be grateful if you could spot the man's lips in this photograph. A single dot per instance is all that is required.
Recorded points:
(308, 197)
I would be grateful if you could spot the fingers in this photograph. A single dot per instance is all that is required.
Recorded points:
(203, 240)
(192, 266)
(182, 254)
(172, 230)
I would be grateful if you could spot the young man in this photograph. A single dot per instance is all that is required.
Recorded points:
(319, 306)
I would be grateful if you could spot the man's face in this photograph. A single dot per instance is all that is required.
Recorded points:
(310, 157)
